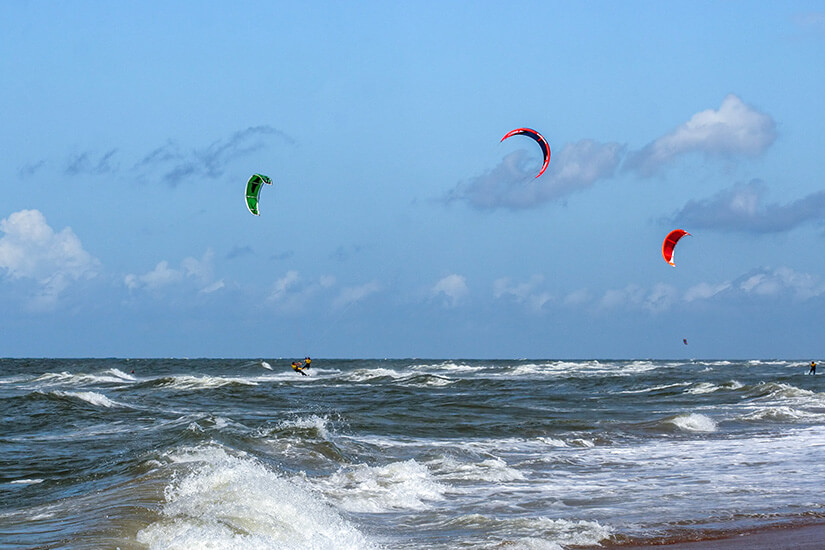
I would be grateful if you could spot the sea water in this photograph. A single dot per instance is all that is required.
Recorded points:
(403, 454)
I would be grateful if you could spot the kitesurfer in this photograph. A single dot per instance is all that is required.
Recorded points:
(307, 361)
(813, 368)
(296, 366)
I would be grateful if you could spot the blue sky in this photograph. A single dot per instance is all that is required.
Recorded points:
(399, 225)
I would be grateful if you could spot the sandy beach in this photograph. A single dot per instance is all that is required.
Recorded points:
(807, 537)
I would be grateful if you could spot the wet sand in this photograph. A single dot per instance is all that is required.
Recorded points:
(807, 537)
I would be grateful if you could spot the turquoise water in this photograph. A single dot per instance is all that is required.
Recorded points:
(369, 454)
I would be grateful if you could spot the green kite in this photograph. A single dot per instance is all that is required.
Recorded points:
(253, 189)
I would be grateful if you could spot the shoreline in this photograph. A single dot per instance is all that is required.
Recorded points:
(789, 537)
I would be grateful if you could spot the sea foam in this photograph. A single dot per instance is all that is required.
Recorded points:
(92, 397)
(189, 382)
(398, 485)
(693, 422)
(218, 500)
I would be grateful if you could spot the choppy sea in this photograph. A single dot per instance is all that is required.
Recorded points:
(404, 454)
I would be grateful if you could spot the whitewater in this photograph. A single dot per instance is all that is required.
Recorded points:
(405, 453)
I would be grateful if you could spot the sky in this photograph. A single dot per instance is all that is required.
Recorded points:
(398, 223)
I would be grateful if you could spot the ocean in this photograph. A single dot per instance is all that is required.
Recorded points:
(404, 454)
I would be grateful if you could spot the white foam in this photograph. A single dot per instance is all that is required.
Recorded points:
(362, 375)
(537, 533)
(703, 387)
(26, 481)
(657, 388)
(312, 422)
(234, 502)
(189, 382)
(404, 485)
(95, 398)
(449, 366)
(553, 442)
(782, 414)
(266, 365)
(779, 390)
(492, 470)
(693, 422)
(430, 381)
(110, 376)
(119, 375)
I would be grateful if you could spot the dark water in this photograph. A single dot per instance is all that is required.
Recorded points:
(403, 453)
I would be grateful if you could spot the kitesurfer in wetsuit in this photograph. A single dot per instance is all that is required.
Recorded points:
(813, 368)
(298, 368)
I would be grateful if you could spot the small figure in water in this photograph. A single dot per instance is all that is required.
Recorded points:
(813, 368)
(298, 368)
(307, 361)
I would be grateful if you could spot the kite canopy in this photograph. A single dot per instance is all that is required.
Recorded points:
(545, 148)
(670, 242)
(253, 189)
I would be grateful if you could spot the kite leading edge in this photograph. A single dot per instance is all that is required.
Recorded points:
(545, 147)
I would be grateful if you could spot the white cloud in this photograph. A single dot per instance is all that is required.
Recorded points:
(660, 297)
(528, 293)
(30, 249)
(734, 129)
(291, 292)
(198, 271)
(763, 283)
(782, 281)
(578, 298)
(214, 287)
(283, 285)
(512, 184)
(453, 288)
(705, 291)
(351, 295)
(741, 208)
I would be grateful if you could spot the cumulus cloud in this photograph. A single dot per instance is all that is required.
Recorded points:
(780, 282)
(282, 286)
(198, 272)
(354, 294)
(291, 292)
(31, 249)
(705, 291)
(452, 289)
(742, 208)
(656, 299)
(528, 293)
(578, 298)
(512, 184)
(734, 129)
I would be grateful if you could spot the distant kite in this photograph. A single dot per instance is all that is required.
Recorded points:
(684, 340)
(253, 190)
(670, 242)
(545, 148)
